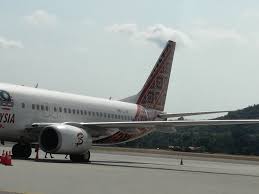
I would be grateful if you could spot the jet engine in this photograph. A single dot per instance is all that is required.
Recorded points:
(64, 139)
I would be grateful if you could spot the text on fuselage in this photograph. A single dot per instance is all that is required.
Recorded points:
(7, 118)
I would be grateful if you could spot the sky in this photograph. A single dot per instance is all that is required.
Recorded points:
(108, 48)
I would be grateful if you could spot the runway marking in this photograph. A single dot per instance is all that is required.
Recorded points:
(12, 192)
(172, 169)
(129, 164)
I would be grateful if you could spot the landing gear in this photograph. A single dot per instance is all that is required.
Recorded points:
(80, 157)
(87, 156)
(22, 151)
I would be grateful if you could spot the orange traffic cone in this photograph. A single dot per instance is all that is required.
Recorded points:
(3, 158)
(6, 158)
(181, 162)
(37, 152)
(9, 160)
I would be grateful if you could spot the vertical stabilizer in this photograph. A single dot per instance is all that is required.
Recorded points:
(153, 94)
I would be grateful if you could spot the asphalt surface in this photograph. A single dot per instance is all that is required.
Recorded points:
(117, 173)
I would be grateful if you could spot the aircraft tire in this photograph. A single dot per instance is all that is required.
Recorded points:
(80, 157)
(21, 151)
(87, 156)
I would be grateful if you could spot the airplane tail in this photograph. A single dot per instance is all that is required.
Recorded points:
(153, 94)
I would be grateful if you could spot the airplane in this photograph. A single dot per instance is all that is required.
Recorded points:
(64, 123)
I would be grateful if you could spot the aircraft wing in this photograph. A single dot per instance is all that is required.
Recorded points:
(171, 115)
(154, 124)
(101, 128)
(157, 124)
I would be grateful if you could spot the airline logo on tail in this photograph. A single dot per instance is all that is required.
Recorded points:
(153, 94)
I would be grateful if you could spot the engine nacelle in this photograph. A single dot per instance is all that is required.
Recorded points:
(64, 139)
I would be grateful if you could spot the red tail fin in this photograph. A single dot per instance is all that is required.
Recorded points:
(153, 94)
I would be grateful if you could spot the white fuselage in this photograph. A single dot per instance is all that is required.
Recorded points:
(33, 105)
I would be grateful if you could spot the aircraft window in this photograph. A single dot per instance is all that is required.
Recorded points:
(69, 110)
(104, 114)
(33, 106)
(55, 109)
(47, 108)
(97, 114)
(74, 111)
(65, 110)
(115, 116)
(60, 109)
(77, 111)
(41, 107)
(38, 107)
(82, 112)
(109, 115)
(23, 105)
(89, 113)
(85, 112)
(101, 114)
(112, 115)
(93, 113)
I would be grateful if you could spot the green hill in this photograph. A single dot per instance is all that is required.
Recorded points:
(235, 139)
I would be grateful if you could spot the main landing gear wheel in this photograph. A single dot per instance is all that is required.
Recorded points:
(80, 157)
(22, 151)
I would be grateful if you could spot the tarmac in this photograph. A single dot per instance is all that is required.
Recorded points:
(129, 173)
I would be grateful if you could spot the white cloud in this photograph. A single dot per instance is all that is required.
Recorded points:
(217, 34)
(158, 34)
(129, 29)
(41, 17)
(5, 43)
(250, 14)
